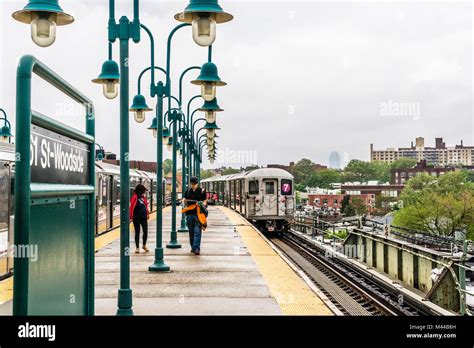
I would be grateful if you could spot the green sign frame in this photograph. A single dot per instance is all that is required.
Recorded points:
(58, 219)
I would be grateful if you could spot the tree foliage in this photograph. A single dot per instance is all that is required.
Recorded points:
(229, 171)
(324, 178)
(303, 170)
(403, 163)
(167, 166)
(352, 206)
(439, 205)
(206, 174)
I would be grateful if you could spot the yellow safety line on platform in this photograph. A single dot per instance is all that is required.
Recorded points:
(6, 286)
(6, 290)
(290, 291)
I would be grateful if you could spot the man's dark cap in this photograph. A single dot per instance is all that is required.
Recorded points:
(194, 180)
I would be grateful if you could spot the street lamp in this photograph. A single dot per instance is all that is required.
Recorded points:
(210, 109)
(123, 31)
(166, 135)
(211, 129)
(5, 131)
(204, 15)
(100, 154)
(139, 108)
(154, 128)
(43, 16)
(109, 78)
(209, 80)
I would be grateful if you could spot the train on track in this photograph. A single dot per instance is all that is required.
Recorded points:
(264, 196)
(107, 199)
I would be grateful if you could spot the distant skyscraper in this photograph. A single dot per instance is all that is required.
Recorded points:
(335, 160)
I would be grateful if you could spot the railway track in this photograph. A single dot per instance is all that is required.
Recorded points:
(351, 292)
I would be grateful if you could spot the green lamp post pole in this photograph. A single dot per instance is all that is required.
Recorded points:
(190, 119)
(123, 31)
(184, 167)
(204, 15)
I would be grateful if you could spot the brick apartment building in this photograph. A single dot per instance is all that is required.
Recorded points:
(334, 201)
(439, 156)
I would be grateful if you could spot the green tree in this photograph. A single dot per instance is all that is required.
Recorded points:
(469, 175)
(345, 203)
(356, 206)
(358, 170)
(325, 178)
(383, 205)
(252, 167)
(439, 205)
(298, 197)
(229, 171)
(300, 188)
(303, 170)
(206, 174)
(403, 163)
(382, 171)
(167, 166)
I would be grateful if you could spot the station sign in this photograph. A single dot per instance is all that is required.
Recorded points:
(57, 159)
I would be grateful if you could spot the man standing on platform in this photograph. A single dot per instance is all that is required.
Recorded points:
(194, 197)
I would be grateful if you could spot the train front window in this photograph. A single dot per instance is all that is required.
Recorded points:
(269, 188)
(286, 187)
(253, 187)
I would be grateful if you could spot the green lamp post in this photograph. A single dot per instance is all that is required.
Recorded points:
(139, 108)
(5, 131)
(209, 80)
(100, 154)
(169, 146)
(109, 78)
(204, 15)
(43, 16)
(211, 129)
(124, 31)
(154, 128)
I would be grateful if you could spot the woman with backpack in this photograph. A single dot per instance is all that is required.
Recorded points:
(139, 215)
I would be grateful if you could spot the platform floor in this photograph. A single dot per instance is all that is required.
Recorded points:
(223, 280)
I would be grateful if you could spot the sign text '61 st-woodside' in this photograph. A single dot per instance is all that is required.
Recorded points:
(56, 159)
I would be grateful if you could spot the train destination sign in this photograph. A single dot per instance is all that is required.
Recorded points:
(57, 159)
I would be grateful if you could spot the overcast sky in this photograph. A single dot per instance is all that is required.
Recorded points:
(305, 78)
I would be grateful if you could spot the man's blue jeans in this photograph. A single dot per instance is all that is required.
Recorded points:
(194, 232)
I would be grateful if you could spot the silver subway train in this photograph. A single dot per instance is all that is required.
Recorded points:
(107, 199)
(263, 196)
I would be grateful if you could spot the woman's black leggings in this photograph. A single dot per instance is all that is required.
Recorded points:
(136, 224)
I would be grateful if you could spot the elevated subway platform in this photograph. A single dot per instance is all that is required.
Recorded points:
(237, 273)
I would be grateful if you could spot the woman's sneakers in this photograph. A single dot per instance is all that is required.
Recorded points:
(146, 249)
(137, 251)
